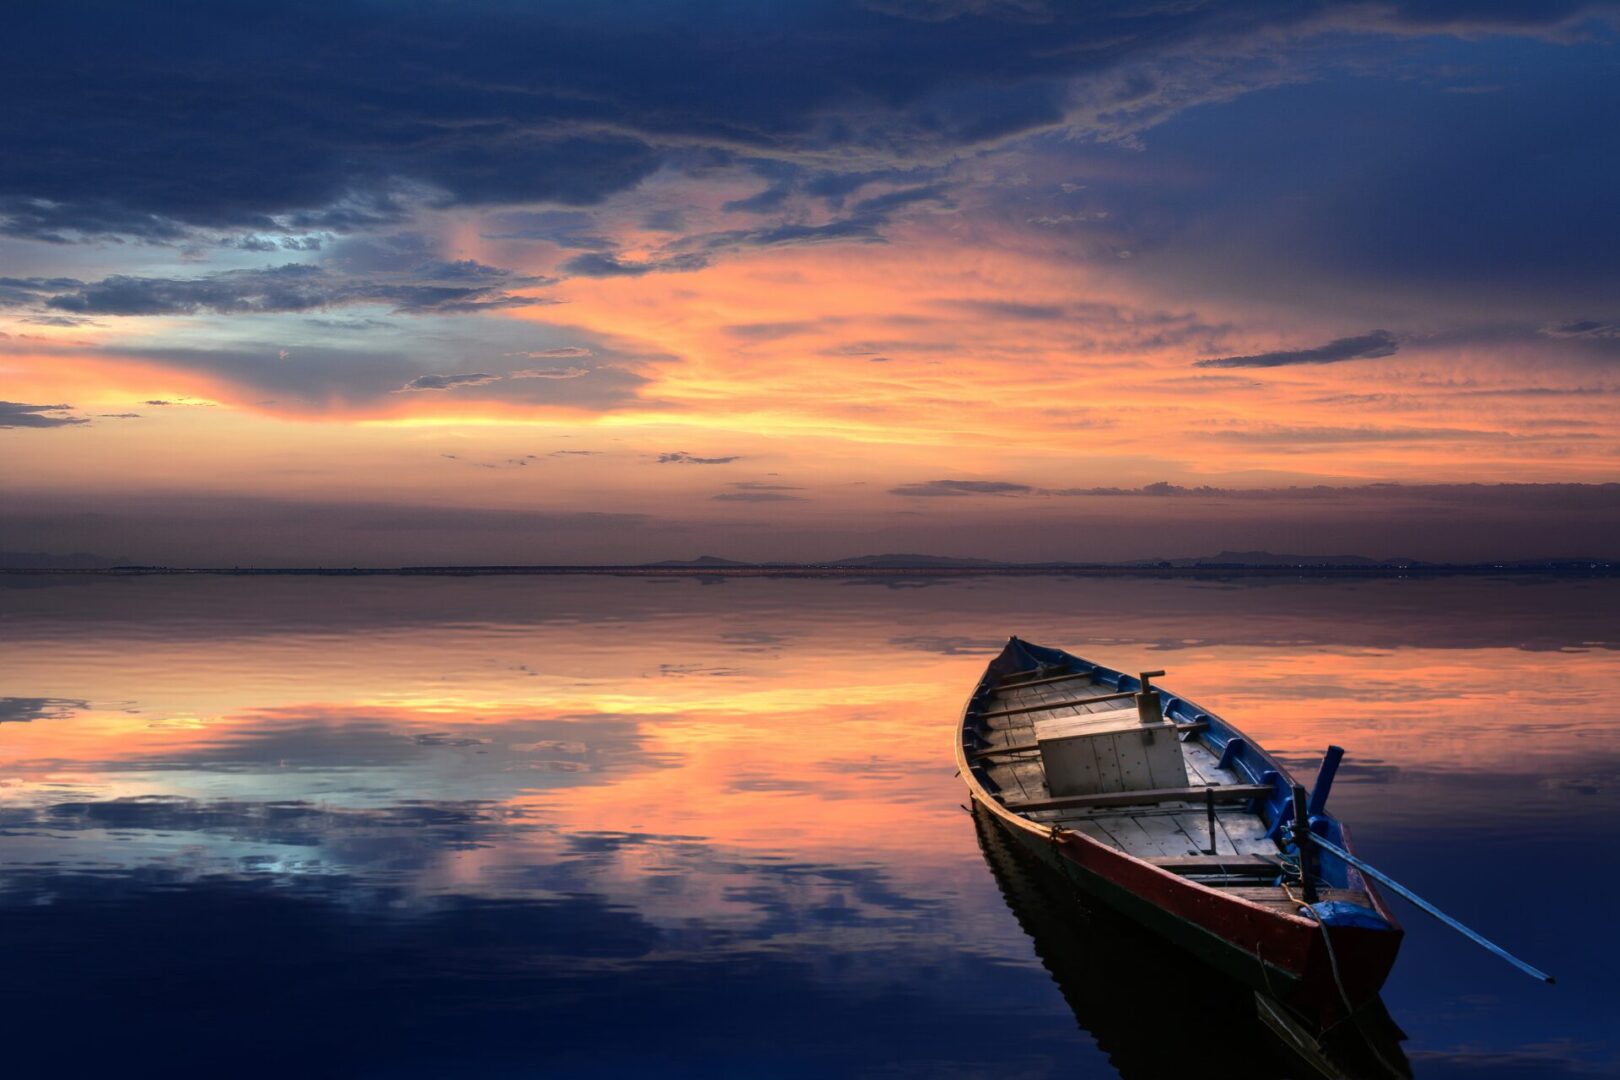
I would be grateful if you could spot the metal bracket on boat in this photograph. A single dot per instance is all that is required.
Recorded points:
(1147, 699)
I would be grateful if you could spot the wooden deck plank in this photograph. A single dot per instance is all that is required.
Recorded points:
(1246, 833)
(1182, 863)
(1240, 832)
(1047, 681)
(1010, 784)
(1207, 763)
(1226, 793)
(1200, 766)
(1195, 827)
(1139, 841)
(1031, 777)
(1167, 835)
(1003, 749)
(1060, 699)
(1107, 832)
(1035, 705)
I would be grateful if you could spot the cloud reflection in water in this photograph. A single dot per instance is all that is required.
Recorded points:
(389, 826)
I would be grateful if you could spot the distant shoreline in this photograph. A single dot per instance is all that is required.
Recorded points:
(1581, 568)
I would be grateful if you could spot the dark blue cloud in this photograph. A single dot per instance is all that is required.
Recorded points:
(564, 228)
(145, 121)
(24, 710)
(289, 288)
(449, 382)
(404, 271)
(17, 414)
(595, 264)
(301, 377)
(681, 457)
(961, 487)
(1363, 347)
(1339, 187)
(863, 222)
(1585, 330)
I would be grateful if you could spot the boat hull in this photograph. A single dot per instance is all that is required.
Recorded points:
(1283, 957)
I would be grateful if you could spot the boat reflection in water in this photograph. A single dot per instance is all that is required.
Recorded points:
(1157, 1011)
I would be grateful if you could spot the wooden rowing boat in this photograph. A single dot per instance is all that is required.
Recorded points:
(1209, 863)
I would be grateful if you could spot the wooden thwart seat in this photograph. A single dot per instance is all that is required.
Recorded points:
(1222, 793)
(992, 751)
(1046, 681)
(1045, 705)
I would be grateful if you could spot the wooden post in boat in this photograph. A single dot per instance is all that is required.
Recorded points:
(1302, 844)
(1209, 807)
(1147, 699)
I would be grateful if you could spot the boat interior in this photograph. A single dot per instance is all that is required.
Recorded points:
(1222, 825)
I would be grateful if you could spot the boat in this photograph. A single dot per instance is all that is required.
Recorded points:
(1162, 811)
(1106, 967)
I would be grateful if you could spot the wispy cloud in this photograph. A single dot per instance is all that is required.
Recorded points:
(681, 457)
(448, 382)
(23, 710)
(548, 373)
(16, 414)
(1365, 347)
(1590, 329)
(599, 265)
(446, 289)
(930, 488)
(562, 352)
(1304, 435)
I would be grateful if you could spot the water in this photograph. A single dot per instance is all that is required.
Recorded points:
(560, 826)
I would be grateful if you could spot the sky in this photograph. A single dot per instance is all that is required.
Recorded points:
(366, 283)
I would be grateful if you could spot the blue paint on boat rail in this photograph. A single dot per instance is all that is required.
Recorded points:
(1252, 764)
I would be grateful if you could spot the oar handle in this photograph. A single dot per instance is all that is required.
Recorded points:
(1474, 936)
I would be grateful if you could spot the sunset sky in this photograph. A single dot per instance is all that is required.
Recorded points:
(366, 283)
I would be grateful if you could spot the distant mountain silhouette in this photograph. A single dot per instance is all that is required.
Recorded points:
(894, 560)
(1225, 562)
(700, 562)
(40, 560)
(1268, 558)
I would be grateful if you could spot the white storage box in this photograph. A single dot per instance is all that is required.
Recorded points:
(1095, 753)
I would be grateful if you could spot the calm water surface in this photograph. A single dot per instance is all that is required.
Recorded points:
(559, 826)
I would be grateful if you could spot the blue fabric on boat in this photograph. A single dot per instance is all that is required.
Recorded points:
(1340, 913)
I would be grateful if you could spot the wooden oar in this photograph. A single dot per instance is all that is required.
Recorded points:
(1478, 939)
